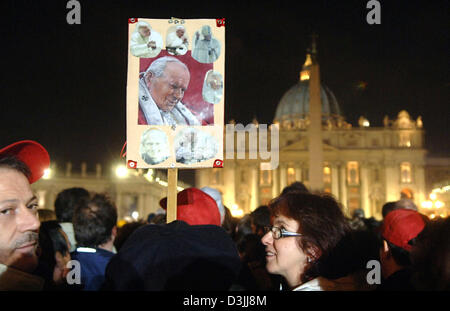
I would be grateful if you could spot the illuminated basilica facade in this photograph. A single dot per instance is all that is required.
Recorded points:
(363, 166)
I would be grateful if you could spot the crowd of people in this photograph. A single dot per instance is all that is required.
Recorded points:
(300, 241)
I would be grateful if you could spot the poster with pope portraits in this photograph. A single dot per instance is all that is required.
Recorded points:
(175, 93)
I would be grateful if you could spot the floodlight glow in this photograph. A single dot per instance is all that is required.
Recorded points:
(121, 171)
(47, 173)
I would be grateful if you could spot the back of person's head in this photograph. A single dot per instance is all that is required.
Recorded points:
(296, 186)
(430, 256)
(66, 202)
(358, 213)
(94, 220)
(406, 204)
(46, 214)
(159, 219)
(175, 256)
(350, 255)
(229, 223)
(250, 248)
(124, 232)
(51, 242)
(400, 229)
(388, 207)
(260, 218)
(243, 227)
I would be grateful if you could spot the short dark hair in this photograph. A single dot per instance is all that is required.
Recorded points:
(296, 186)
(387, 207)
(12, 162)
(93, 221)
(401, 256)
(321, 222)
(124, 232)
(66, 202)
(261, 217)
(51, 240)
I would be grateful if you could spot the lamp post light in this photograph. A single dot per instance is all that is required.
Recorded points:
(121, 171)
(434, 207)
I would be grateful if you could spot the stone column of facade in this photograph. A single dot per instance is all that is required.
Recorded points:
(365, 189)
(283, 177)
(98, 170)
(151, 203)
(298, 172)
(120, 212)
(254, 201)
(229, 180)
(83, 169)
(141, 206)
(69, 169)
(275, 182)
(392, 178)
(335, 180)
(343, 186)
(419, 176)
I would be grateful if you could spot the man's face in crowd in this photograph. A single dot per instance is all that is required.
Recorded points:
(19, 223)
(180, 33)
(168, 89)
(144, 31)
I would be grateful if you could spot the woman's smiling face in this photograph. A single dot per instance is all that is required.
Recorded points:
(285, 256)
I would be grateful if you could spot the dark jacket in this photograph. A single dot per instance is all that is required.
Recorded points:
(93, 267)
(398, 281)
(174, 256)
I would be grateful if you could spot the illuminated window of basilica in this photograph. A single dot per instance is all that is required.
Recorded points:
(405, 172)
(265, 174)
(290, 175)
(327, 174)
(352, 173)
(353, 203)
(265, 177)
(405, 140)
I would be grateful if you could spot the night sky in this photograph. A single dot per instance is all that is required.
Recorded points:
(65, 85)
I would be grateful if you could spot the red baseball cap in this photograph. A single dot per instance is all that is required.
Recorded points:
(32, 154)
(195, 207)
(402, 225)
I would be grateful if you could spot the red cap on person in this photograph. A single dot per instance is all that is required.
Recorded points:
(402, 225)
(32, 154)
(195, 207)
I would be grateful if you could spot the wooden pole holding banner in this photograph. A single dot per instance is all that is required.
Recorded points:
(172, 180)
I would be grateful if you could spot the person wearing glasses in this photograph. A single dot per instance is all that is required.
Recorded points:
(305, 228)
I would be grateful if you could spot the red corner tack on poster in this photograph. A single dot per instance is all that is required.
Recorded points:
(220, 22)
(132, 20)
(218, 163)
(131, 164)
